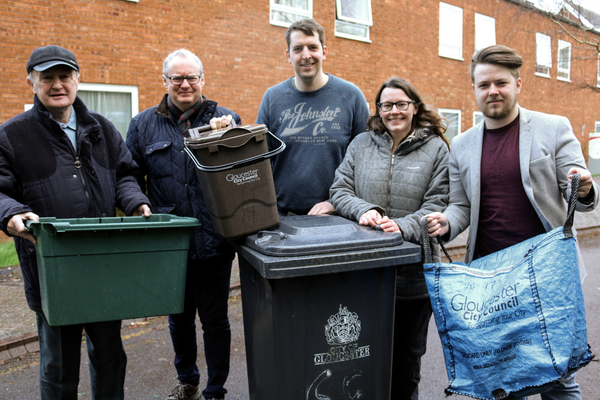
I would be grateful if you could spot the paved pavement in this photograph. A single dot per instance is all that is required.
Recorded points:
(18, 332)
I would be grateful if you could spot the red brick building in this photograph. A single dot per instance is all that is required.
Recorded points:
(122, 44)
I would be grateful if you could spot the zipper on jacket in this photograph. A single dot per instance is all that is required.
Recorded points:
(83, 182)
(389, 203)
(78, 166)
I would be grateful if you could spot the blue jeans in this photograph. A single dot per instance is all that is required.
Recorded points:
(60, 354)
(206, 292)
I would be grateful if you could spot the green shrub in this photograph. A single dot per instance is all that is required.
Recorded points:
(8, 254)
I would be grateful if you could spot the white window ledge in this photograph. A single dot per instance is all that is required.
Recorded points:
(452, 58)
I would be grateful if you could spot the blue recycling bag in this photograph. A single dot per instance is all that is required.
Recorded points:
(513, 322)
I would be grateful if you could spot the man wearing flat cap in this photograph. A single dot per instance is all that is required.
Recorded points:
(61, 160)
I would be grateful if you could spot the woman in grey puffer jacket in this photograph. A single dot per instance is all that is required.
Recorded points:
(391, 176)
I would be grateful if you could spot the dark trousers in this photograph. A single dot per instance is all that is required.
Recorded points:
(206, 292)
(60, 354)
(410, 343)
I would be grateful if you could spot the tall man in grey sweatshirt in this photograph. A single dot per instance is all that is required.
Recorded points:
(316, 115)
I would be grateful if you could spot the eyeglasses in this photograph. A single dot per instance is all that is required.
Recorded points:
(178, 80)
(400, 105)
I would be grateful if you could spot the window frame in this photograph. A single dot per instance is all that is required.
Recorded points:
(563, 44)
(538, 44)
(341, 20)
(287, 9)
(111, 88)
(477, 114)
(459, 119)
(481, 27)
(338, 33)
(107, 87)
(445, 49)
(338, 14)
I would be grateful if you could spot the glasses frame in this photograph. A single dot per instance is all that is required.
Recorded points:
(408, 103)
(183, 78)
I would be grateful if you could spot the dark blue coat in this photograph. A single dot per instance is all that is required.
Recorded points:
(41, 172)
(157, 146)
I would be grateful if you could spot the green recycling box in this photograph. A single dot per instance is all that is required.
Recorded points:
(103, 269)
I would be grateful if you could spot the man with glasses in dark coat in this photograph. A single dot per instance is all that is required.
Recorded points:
(156, 140)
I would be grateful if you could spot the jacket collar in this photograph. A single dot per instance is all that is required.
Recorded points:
(422, 136)
(85, 121)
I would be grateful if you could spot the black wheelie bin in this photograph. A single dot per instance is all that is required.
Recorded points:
(318, 296)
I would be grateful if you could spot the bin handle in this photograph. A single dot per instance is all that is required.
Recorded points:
(263, 238)
(206, 128)
(218, 168)
(49, 229)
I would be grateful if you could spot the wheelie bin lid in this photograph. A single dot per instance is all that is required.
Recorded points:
(316, 244)
(310, 234)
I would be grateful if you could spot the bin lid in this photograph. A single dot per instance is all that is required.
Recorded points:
(319, 234)
(202, 135)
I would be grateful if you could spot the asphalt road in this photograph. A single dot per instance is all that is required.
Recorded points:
(150, 374)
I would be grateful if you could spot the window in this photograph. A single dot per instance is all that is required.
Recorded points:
(353, 19)
(451, 31)
(543, 55)
(564, 60)
(485, 31)
(477, 117)
(597, 127)
(118, 103)
(286, 12)
(452, 121)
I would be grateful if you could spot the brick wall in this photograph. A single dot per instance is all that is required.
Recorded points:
(120, 42)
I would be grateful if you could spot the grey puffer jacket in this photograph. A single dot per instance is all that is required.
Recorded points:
(404, 185)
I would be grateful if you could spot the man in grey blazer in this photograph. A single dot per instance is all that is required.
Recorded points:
(510, 175)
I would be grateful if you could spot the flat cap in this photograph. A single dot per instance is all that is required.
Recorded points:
(46, 57)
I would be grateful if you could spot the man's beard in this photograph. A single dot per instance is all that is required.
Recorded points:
(500, 112)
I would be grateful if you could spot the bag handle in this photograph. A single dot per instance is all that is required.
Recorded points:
(568, 227)
(426, 240)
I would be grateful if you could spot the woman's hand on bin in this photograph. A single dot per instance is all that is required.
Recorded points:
(144, 210)
(437, 224)
(16, 225)
(221, 122)
(374, 219)
(323, 207)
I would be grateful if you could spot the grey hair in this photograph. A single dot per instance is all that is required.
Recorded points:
(182, 53)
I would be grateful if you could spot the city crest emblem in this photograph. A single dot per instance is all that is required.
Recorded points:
(341, 333)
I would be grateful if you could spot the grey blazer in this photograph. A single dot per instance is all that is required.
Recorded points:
(547, 150)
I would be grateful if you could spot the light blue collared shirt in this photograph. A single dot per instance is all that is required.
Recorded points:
(70, 128)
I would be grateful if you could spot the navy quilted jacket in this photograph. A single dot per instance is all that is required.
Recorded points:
(157, 146)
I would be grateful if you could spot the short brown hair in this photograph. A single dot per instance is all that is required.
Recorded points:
(424, 118)
(498, 55)
(307, 26)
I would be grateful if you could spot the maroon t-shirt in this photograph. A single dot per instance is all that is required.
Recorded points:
(506, 216)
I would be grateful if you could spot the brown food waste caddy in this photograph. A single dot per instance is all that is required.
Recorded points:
(234, 169)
